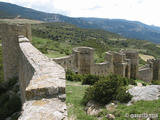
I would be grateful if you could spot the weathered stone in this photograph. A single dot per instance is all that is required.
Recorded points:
(93, 108)
(62, 97)
(110, 116)
(42, 81)
(44, 109)
(150, 92)
(81, 61)
(10, 47)
(111, 107)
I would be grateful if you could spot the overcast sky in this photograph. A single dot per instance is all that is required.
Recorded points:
(146, 11)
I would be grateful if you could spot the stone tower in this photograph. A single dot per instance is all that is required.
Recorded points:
(84, 61)
(109, 58)
(119, 64)
(134, 60)
(10, 48)
(156, 69)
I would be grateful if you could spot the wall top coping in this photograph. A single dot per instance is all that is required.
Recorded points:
(22, 39)
(48, 77)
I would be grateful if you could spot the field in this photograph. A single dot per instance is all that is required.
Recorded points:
(146, 57)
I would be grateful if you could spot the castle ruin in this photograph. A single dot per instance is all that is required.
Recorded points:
(42, 80)
(124, 63)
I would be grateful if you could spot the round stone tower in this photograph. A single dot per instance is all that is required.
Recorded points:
(83, 59)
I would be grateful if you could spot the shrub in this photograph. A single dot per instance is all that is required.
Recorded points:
(122, 95)
(107, 89)
(71, 76)
(132, 82)
(90, 79)
(144, 84)
(6, 85)
(156, 82)
(118, 80)
(10, 101)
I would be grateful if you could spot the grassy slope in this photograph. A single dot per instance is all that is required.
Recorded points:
(63, 37)
(75, 92)
(146, 57)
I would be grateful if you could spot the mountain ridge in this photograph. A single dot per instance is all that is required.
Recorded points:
(126, 28)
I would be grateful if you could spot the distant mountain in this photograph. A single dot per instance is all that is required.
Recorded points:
(130, 29)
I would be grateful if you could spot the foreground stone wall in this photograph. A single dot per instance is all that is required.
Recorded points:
(42, 81)
(10, 47)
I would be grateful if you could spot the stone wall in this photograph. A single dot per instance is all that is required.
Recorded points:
(145, 74)
(66, 62)
(156, 69)
(102, 68)
(42, 81)
(134, 59)
(119, 64)
(124, 63)
(43, 84)
(82, 61)
(10, 47)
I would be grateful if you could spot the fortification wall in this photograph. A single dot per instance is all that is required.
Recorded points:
(42, 81)
(84, 59)
(134, 59)
(145, 74)
(10, 47)
(102, 68)
(119, 64)
(66, 62)
(156, 69)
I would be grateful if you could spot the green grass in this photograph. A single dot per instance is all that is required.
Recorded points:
(55, 54)
(51, 48)
(143, 82)
(63, 37)
(75, 92)
(140, 107)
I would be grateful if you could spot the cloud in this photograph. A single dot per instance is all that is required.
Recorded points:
(140, 10)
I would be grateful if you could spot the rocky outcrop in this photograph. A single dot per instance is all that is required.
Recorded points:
(150, 92)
